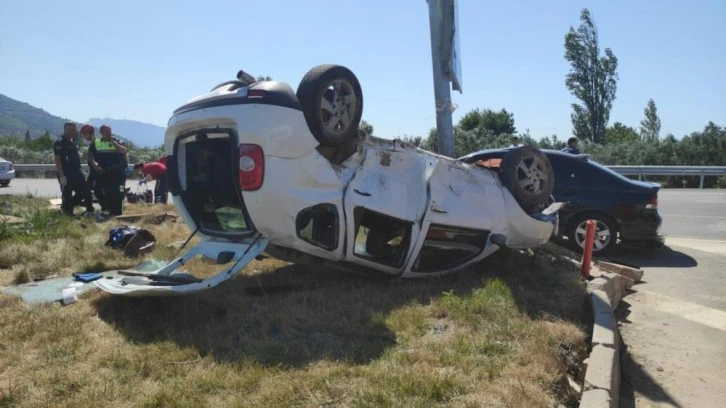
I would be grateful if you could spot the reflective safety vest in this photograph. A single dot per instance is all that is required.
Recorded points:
(106, 154)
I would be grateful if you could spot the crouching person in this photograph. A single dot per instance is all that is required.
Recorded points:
(155, 171)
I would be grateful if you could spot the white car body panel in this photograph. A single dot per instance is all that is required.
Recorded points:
(384, 177)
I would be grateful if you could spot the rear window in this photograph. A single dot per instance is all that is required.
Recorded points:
(210, 193)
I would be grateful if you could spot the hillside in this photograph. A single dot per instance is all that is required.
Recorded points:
(18, 117)
(140, 133)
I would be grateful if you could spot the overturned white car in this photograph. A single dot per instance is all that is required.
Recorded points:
(255, 167)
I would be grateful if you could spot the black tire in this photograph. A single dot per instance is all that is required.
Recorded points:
(532, 185)
(332, 102)
(5, 183)
(606, 233)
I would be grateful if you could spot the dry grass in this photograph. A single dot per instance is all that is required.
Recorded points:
(505, 333)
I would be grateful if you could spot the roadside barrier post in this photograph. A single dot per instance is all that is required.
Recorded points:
(587, 251)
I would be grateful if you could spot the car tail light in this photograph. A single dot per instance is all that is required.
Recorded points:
(653, 203)
(251, 167)
(256, 93)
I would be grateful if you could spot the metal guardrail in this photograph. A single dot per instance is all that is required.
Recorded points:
(639, 171)
(40, 167)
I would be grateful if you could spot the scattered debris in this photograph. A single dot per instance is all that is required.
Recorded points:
(87, 277)
(11, 219)
(176, 245)
(159, 219)
(68, 295)
(153, 218)
(52, 289)
(135, 241)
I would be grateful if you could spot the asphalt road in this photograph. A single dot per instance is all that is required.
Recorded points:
(46, 187)
(698, 214)
(692, 213)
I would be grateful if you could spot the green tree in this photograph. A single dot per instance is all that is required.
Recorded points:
(650, 125)
(365, 129)
(550, 142)
(619, 133)
(413, 140)
(501, 122)
(592, 79)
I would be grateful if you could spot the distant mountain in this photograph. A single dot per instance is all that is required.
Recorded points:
(17, 117)
(139, 133)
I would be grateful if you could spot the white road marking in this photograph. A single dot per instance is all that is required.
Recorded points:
(694, 216)
(690, 311)
(705, 245)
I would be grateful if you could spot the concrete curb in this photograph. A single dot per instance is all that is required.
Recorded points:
(601, 387)
(607, 287)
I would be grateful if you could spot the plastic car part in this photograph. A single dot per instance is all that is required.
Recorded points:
(332, 102)
(167, 281)
(527, 173)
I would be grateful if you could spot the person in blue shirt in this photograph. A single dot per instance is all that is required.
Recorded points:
(571, 146)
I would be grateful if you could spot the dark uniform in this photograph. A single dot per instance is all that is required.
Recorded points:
(94, 184)
(113, 175)
(71, 164)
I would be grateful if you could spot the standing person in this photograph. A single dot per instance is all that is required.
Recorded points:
(94, 170)
(515, 142)
(571, 146)
(154, 171)
(109, 154)
(68, 165)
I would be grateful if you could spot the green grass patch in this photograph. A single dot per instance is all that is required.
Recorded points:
(506, 332)
(39, 221)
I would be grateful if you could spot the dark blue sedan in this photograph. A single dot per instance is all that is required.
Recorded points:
(622, 208)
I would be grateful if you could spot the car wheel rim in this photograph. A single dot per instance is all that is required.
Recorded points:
(338, 106)
(602, 235)
(531, 175)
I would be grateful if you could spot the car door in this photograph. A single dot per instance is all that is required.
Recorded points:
(464, 207)
(384, 204)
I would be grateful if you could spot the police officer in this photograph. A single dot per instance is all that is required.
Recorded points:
(94, 170)
(68, 165)
(108, 155)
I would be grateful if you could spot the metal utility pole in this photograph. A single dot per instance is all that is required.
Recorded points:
(446, 69)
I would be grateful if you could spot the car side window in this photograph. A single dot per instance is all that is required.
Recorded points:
(318, 225)
(381, 238)
(448, 247)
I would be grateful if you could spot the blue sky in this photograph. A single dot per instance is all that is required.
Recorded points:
(142, 59)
